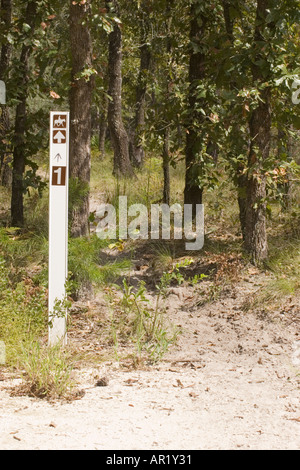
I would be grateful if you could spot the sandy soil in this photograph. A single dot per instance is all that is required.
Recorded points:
(231, 382)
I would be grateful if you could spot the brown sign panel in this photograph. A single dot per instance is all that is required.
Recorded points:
(59, 176)
(59, 122)
(59, 137)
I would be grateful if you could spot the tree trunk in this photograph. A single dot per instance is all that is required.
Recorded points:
(193, 191)
(118, 134)
(19, 159)
(137, 154)
(167, 132)
(241, 177)
(80, 116)
(260, 132)
(166, 167)
(103, 125)
(5, 152)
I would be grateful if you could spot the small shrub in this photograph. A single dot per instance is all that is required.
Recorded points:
(47, 372)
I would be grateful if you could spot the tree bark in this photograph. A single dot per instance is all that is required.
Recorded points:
(241, 177)
(103, 125)
(193, 191)
(260, 132)
(80, 116)
(166, 166)
(5, 151)
(137, 152)
(19, 159)
(118, 134)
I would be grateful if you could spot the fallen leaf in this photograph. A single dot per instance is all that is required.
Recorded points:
(179, 384)
(295, 419)
(103, 382)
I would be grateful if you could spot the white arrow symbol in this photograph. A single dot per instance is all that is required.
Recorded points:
(59, 136)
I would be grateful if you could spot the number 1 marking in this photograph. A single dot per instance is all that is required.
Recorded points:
(58, 172)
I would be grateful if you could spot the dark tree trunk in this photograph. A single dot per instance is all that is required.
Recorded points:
(80, 116)
(118, 134)
(260, 132)
(103, 125)
(166, 167)
(19, 158)
(193, 191)
(228, 20)
(167, 132)
(241, 177)
(137, 153)
(5, 151)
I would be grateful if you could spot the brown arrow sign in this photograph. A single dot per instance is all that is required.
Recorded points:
(59, 137)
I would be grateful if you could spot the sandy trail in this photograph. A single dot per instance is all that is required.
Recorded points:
(231, 382)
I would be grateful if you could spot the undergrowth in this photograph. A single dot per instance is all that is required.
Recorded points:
(284, 267)
(136, 317)
(46, 371)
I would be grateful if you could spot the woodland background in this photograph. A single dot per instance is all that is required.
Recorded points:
(185, 101)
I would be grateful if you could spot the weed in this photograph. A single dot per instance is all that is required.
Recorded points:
(46, 372)
(142, 323)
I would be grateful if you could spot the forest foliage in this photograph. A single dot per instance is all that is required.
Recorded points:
(211, 82)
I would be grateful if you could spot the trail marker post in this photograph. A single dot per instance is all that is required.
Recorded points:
(58, 225)
(2, 92)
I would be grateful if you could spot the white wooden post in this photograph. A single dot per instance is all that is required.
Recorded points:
(58, 224)
(2, 92)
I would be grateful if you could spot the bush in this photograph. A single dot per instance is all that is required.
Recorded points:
(46, 371)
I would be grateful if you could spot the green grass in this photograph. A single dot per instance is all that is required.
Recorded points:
(86, 266)
(284, 266)
(47, 371)
(146, 188)
(23, 312)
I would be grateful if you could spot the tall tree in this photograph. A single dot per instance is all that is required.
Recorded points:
(194, 140)
(5, 171)
(260, 133)
(19, 158)
(167, 130)
(103, 124)
(80, 115)
(118, 134)
(137, 152)
(237, 137)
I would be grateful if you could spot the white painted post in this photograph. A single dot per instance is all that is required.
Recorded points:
(2, 92)
(58, 223)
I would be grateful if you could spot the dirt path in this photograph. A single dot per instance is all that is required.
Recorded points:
(231, 382)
